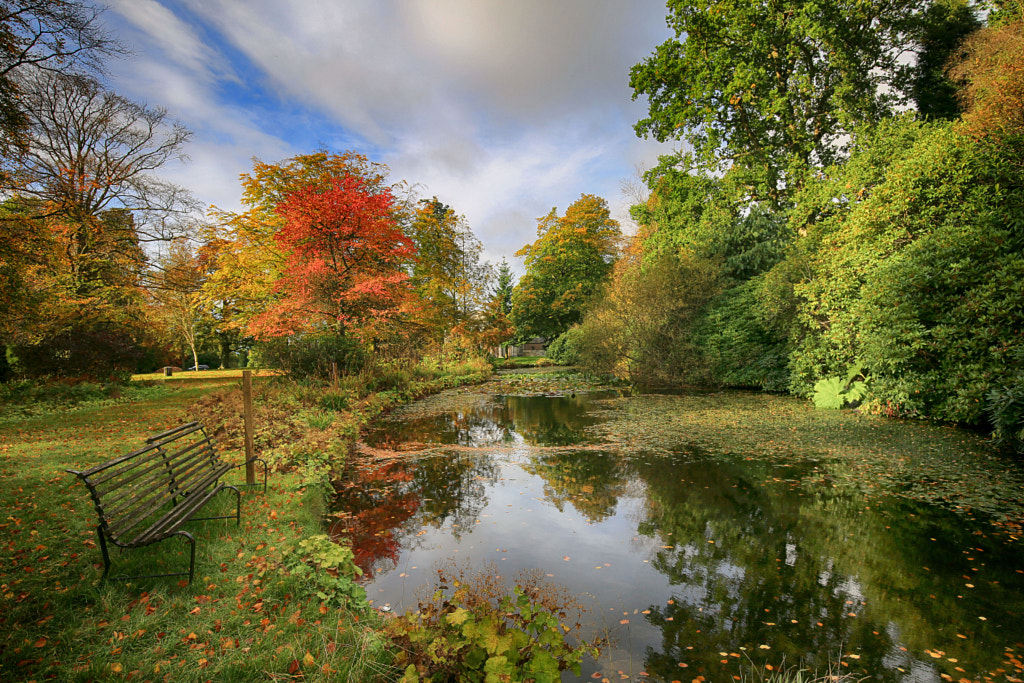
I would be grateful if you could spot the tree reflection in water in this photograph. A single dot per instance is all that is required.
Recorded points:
(692, 554)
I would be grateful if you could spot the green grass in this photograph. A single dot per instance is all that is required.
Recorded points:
(522, 362)
(242, 618)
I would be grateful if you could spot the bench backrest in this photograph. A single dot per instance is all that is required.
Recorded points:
(131, 491)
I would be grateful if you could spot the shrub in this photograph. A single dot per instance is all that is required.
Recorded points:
(329, 570)
(916, 276)
(565, 350)
(1004, 407)
(312, 355)
(475, 630)
(96, 352)
(739, 348)
(644, 327)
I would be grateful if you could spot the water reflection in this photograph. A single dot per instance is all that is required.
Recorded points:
(536, 420)
(697, 566)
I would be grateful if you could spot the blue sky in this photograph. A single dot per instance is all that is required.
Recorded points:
(503, 109)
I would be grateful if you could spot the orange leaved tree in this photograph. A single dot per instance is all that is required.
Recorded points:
(343, 252)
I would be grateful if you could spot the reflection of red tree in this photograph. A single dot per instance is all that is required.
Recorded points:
(377, 506)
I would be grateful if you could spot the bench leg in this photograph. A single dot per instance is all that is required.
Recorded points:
(192, 554)
(191, 561)
(238, 506)
(106, 554)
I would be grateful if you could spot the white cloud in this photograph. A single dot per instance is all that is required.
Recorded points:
(501, 109)
(177, 41)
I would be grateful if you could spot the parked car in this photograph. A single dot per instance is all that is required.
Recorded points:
(200, 367)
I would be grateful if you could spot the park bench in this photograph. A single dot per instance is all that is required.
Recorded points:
(147, 495)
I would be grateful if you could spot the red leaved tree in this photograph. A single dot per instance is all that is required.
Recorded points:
(344, 252)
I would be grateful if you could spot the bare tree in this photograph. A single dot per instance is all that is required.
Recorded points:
(44, 35)
(91, 150)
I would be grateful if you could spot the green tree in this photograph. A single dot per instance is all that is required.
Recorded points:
(769, 89)
(496, 328)
(945, 25)
(918, 282)
(706, 216)
(447, 272)
(565, 267)
(504, 286)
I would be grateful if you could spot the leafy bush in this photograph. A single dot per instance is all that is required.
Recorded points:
(387, 377)
(311, 355)
(565, 350)
(1005, 408)
(740, 349)
(329, 567)
(644, 327)
(917, 277)
(93, 351)
(475, 630)
(335, 400)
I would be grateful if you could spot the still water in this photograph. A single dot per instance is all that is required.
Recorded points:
(692, 563)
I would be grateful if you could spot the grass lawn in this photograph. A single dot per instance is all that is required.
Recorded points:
(243, 618)
(203, 375)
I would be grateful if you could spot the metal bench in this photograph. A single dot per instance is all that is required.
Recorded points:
(147, 495)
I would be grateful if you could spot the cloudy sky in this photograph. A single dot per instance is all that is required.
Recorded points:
(503, 109)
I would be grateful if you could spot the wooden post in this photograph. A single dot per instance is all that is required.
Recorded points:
(250, 466)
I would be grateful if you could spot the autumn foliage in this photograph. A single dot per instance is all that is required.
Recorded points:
(343, 254)
(993, 76)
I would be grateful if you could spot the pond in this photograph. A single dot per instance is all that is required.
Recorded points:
(708, 534)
